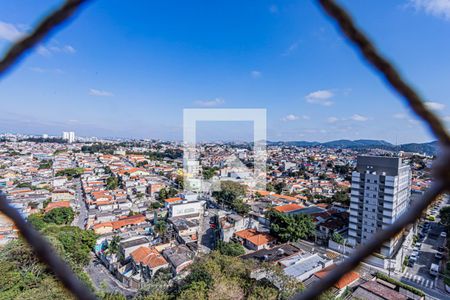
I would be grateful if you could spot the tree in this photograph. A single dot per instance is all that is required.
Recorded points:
(341, 196)
(279, 187)
(230, 249)
(290, 227)
(112, 182)
(59, 216)
(161, 227)
(142, 163)
(208, 173)
(113, 246)
(230, 195)
(197, 290)
(23, 276)
(155, 205)
(70, 172)
(218, 276)
(336, 237)
(37, 221)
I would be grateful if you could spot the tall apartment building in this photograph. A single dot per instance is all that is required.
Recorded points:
(380, 194)
(69, 136)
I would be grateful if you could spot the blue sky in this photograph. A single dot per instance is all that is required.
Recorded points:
(129, 70)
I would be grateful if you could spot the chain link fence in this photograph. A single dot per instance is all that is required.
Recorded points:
(367, 50)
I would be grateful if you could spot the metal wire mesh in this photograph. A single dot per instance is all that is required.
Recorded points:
(441, 167)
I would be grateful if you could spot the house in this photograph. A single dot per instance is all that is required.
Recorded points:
(53, 205)
(231, 223)
(179, 257)
(289, 208)
(126, 247)
(303, 265)
(376, 291)
(273, 255)
(187, 230)
(145, 261)
(103, 228)
(254, 240)
(169, 201)
(347, 280)
(187, 209)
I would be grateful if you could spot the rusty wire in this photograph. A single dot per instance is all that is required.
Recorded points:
(46, 253)
(385, 68)
(41, 31)
(441, 168)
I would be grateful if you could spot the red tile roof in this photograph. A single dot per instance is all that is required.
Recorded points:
(148, 256)
(288, 207)
(53, 205)
(344, 281)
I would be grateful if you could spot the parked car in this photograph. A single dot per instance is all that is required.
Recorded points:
(441, 249)
(438, 255)
(434, 269)
(443, 234)
(418, 245)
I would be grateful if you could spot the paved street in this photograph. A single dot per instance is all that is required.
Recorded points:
(103, 280)
(207, 233)
(80, 219)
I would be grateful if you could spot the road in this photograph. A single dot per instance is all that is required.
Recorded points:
(104, 280)
(80, 219)
(365, 270)
(207, 236)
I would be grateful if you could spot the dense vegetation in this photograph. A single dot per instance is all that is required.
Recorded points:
(231, 195)
(24, 277)
(290, 228)
(230, 249)
(71, 172)
(218, 276)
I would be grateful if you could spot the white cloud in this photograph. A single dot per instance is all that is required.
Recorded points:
(44, 70)
(256, 74)
(100, 93)
(9, 32)
(359, 118)
(399, 116)
(292, 48)
(446, 118)
(322, 97)
(332, 120)
(49, 50)
(210, 103)
(434, 105)
(292, 117)
(437, 8)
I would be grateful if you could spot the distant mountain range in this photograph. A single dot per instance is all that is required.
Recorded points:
(428, 148)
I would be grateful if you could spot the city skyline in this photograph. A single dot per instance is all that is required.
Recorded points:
(214, 55)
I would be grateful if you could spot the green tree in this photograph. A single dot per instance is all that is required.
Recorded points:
(59, 216)
(70, 172)
(113, 246)
(230, 249)
(197, 290)
(37, 221)
(290, 228)
(112, 182)
(161, 227)
(336, 237)
(155, 205)
(342, 196)
(208, 173)
(279, 187)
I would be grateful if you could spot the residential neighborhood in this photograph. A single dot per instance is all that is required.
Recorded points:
(148, 226)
